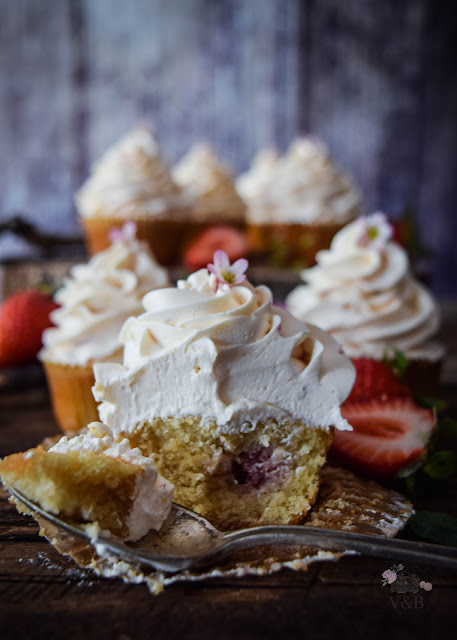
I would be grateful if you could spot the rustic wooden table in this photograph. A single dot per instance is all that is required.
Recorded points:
(43, 594)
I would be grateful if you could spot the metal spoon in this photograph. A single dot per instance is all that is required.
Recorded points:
(187, 540)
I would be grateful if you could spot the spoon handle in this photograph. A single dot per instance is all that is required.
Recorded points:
(332, 540)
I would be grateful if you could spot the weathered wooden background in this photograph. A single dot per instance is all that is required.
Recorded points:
(375, 80)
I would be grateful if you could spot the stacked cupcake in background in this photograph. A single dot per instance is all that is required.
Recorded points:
(95, 300)
(292, 204)
(132, 183)
(296, 203)
(210, 187)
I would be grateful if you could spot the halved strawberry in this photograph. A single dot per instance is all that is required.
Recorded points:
(201, 250)
(374, 380)
(387, 436)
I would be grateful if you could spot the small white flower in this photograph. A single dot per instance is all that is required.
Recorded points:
(126, 234)
(375, 230)
(225, 272)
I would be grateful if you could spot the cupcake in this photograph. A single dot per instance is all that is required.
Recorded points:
(93, 478)
(210, 187)
(235, 399)
(363, 293)
(95, 300)
(296, 203)
(253, 184)
(132, 183)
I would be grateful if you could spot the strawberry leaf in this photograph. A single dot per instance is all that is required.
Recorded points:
(441, 465)
(435, 526)
(398, 362)
(432, 403)
(410, 469)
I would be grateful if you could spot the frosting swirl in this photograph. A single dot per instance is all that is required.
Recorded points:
(96, 299)
(129, 180)
(225, 354)
(252, 184)
(210, 185)
(304, 186)
(365, 296)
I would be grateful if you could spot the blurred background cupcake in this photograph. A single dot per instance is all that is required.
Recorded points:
(296, 203)
(363, 292)
(95, 300)
(210, 187)
(132, 183)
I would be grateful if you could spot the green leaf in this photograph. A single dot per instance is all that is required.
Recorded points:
(398, 362)
(432, 403)
(435, 526)
(447, 427)
(441, 464)
(411, 468)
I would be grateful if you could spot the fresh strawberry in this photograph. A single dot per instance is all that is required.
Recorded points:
(23, 318)
(401, 232)
(201, 250)
(387, 436)
(374, 380)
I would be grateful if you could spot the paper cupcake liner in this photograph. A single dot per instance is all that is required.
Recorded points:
(290, 244)
(165, 237)
(70, 388)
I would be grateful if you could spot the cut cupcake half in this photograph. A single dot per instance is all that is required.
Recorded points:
(93, 479)
(268, 475)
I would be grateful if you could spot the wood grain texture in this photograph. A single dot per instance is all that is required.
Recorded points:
(43, 594)
(376, 81)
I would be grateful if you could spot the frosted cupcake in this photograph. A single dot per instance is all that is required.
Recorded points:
(95, 300)
(296, 203)
(363, 293)
(210, 187)
(244, 439)
(132, 183)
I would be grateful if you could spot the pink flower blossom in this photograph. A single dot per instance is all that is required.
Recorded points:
(426, 586)
(389, 575)
(127, 233)
(225, 272)
(375, 230)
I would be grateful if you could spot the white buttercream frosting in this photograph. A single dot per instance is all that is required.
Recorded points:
(153, 494)
(210, 185)
(96, 299)
(366, 297)
(252, 184)
(225, 354)
(304, 186)
(131, 181)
